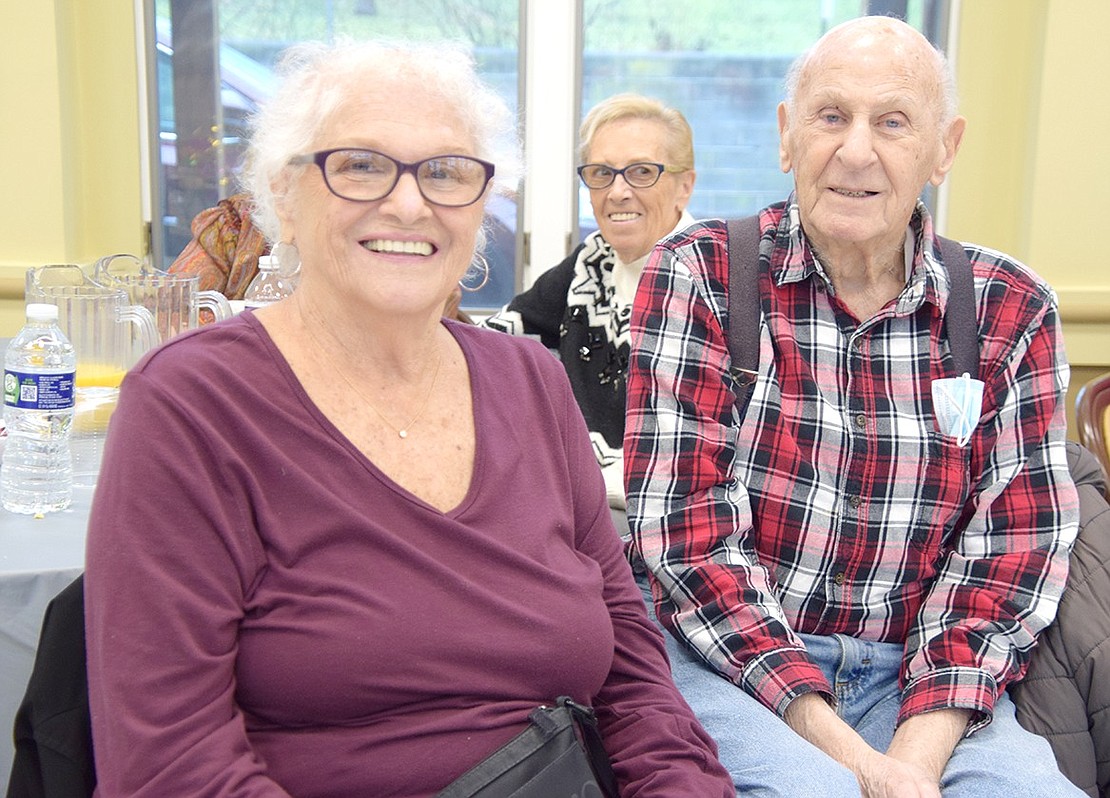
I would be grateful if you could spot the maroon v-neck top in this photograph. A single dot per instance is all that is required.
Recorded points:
(269, 614)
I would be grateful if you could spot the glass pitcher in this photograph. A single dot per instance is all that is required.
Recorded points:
(172, 299)
(108, 333)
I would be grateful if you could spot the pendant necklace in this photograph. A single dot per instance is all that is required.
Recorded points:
(402, 431)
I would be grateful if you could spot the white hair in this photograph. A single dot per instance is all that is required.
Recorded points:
(316, 80)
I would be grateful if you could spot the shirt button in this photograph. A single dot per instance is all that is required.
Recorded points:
(839, 578)
(861, 420)
(854, 502)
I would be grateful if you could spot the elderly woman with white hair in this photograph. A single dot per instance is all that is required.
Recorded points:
(400, 552)
(637, 160)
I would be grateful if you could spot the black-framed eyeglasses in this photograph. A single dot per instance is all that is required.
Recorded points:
(367, 175)
(637, 175)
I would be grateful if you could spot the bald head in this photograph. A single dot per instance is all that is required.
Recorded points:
(866, 39)
(867, 127)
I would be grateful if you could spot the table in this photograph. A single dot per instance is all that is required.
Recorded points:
(38, 558)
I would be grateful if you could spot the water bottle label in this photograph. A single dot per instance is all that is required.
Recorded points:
(37, 391)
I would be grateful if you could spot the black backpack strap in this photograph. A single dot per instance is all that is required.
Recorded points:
(743, 305)
(960, 319)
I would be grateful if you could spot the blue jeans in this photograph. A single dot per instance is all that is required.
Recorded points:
(766, 758)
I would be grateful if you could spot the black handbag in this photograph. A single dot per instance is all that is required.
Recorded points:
(559, 755)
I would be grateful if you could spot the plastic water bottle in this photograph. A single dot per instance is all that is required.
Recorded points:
(269, 285)
(39, 368)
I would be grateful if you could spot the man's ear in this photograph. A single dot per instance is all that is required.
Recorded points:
(785, 163)
(951, 143)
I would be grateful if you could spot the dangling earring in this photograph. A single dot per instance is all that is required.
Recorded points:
(482, 265)
(288, 258)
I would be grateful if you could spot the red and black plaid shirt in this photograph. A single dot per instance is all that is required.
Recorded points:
(835, 505)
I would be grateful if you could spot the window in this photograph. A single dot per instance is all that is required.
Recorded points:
(201, 141)
(720, 62)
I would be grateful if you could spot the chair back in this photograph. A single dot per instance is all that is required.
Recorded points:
(1092, 412)
(53, 730)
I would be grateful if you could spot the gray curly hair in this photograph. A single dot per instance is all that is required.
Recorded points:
(318, 77)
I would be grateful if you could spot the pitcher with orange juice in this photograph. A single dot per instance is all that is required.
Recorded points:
(108, 334)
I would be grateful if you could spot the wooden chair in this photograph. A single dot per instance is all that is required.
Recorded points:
(1092, 412)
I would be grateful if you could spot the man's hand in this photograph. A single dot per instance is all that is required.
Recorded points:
(927, 740)
(913, 764)
(882, 776)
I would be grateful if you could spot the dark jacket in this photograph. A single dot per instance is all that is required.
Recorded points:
(53, 736)
(1065, 695)
(587, 327)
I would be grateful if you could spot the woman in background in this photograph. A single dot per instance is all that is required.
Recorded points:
(404, 547)
(637, 160)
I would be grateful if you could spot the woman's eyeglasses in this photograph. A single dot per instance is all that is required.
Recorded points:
(367, 175)
(637, 175)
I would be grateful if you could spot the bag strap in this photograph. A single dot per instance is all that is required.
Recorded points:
(586, 721)
(960, 324)
(743, 305)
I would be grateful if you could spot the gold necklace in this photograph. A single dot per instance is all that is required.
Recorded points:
(403, 431)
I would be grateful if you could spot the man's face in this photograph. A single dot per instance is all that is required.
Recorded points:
(864, 138)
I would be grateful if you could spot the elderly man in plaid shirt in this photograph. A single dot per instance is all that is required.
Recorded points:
(854, 569)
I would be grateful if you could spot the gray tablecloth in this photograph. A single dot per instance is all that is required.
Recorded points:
(38, 557)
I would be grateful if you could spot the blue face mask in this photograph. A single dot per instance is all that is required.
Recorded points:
(957, 404)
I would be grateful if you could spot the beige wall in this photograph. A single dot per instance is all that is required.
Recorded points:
(1033, 175)
(1032, 179)
(70, 187)
(1070, 186)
